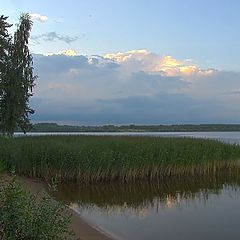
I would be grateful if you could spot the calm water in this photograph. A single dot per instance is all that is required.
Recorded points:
(178, 209)
(229, 137)
(204, 208)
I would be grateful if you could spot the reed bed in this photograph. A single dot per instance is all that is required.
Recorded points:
(88, 159)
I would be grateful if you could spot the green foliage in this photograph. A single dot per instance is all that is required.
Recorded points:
(4, 45)
(103, 158)
(25, 216)
(17, 79)
(2, 166)
(4, 61)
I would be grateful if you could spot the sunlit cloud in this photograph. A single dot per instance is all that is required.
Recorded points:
(39, 17)
(67, 52)
(133, 87)
(123, 57)
(143, 60)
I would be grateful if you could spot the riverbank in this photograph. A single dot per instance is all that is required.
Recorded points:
(82, 229)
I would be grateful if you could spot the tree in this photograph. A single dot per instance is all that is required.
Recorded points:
(4, 60)
(18, 82)
(4, 42)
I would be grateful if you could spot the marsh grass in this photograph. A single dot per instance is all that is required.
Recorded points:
(88, 159)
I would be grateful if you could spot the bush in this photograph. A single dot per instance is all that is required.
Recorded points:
(2, 166)
(24, 216)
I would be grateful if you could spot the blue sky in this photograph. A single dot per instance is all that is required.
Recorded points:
(207, 30)
(179, 60)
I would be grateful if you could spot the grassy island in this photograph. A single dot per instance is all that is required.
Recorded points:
(88, 159)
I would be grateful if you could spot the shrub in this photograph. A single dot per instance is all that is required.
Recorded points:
(24, 216)
(2, 166)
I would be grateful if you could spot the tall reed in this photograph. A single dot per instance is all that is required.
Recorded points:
(107, 158)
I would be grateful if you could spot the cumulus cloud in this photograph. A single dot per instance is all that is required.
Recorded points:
(67, 52)
(97, 90)
(38, 17)
(143, 60)
(53, 36)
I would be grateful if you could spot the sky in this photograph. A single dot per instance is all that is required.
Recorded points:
(133, 62)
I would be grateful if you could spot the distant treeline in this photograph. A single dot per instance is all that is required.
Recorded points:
(54, 127)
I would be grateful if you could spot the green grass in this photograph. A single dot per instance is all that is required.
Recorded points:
(103, 158)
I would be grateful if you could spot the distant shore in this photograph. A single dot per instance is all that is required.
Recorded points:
(54, 127)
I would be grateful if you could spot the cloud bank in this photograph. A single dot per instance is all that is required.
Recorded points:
(133, 87)
(142, 60)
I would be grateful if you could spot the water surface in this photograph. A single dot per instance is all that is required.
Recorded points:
(173, 209)
(229, 137)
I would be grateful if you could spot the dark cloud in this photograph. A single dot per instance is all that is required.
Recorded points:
(53, 36)
(54, 64)
(93, 90)
(161, 109)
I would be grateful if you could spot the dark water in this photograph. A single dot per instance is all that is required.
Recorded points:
(174, 209)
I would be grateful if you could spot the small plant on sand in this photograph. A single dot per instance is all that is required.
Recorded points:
(24, 216)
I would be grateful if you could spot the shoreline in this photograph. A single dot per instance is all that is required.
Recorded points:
(82, 229)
